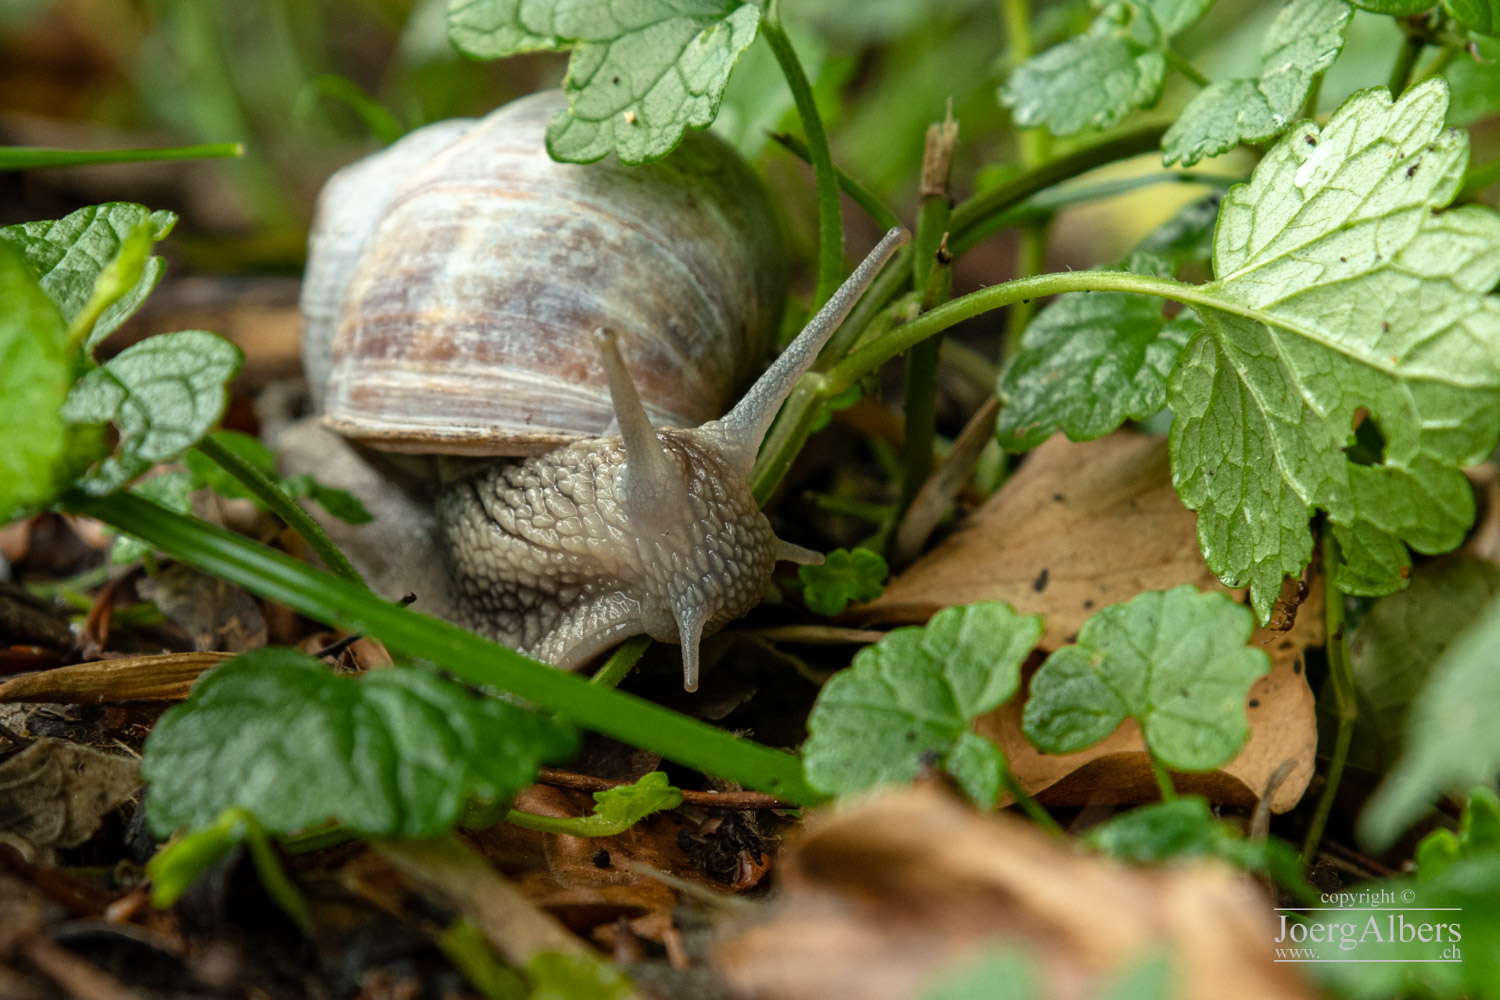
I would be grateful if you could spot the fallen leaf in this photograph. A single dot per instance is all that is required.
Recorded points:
(54, 793)
(164, 677)
(1083, 525)
(881, 899)
(216, 613)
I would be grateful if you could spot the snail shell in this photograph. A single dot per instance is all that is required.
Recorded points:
(455, 281)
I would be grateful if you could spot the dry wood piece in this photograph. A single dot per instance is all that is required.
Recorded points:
(163, 677)
(1082, 526)
(880, 898)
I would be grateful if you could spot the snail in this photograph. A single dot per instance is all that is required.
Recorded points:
(467, 297)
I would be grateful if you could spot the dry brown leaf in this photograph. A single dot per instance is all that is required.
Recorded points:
(1085, 525)
(54, 793)
(218, 614)
(881, 897)
(163, 677)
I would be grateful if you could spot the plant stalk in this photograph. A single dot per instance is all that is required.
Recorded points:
(1185, 68)
(37, 158)
(830, 224)
(347, 605)
(1406, 61)
(862, 196)
(621, 662)
(1341, 676)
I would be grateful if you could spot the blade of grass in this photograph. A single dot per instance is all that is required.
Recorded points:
(347, 605)
(37, 158)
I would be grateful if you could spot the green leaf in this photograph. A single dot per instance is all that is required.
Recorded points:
(1394, 647)
(642, 71)
(1302, 42)
(1002, 973)
(397, 752)
(1475, 77)
(621, 808)
(911, 696)
(1395, 8)
(173, 490)
(68, 256)
(843, 576)
(1186, 828)
(1344, 293)
(1188, 236)
(1478, 832)
(35, 373)
(1452, 742)
(558, 976)
(1482, 16)
(615, 809)
(163, 393)
(1089, 362)
(1095, 79)
(1090, 81)
(1175, 661)
(340, 503)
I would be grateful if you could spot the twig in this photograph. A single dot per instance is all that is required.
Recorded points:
(943, 486)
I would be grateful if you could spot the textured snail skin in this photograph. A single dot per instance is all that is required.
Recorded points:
(564, 554)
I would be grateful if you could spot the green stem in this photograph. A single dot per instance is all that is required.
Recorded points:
(862, 196)
(982, 214)
(1184, 67)
(37, 158)
(471, 954)
(1029, 805)
(283, 506)
(347, 605)
(830, 225)
(1341, 676)
(273, 877)
(621, 662)
(1163, 779)
(1406, 61)
(573, 826)
(874, 513)
(799, 414)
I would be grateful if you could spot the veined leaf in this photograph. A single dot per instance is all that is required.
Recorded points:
(1093, 80)
(163, 393)
(69, 254)
(912, 695)
(1478, 833)
(1346, 295)
(35, 373)
(842, 577)
(1175, 661)
(399, 752)
(642, 71)
(1302, 42)
(1089, 362)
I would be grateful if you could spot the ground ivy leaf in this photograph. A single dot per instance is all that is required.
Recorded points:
(1452, 742)
(67, 256)
(1392, 650)
(1302, 42)
(910, 697)
(35, 373)
(1478, 832)
(1089, 362)
(163, 393)
(622, 807)
(843, 576)
(1175, 661)
(1090, 81)
(1345, 294)
(1482, 16)
(397, 752)
(642, 71)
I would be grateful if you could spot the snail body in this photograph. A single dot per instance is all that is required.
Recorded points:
(506, 305)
